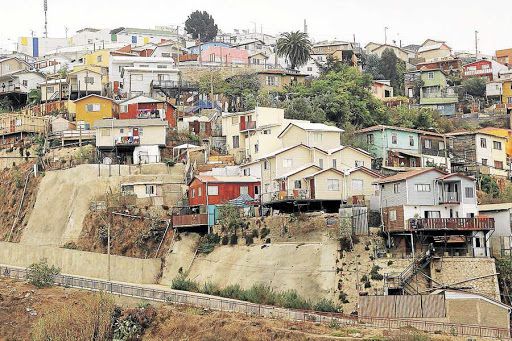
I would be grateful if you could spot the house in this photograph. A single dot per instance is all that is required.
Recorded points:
(217, 55)
(501, 239)
(426, 207)
(278, 80)
(312, 66)
(258, 59)
(145, 75)
(360, 187)
(54, 89)
(504, 56)
(487, 69)
(143, 191)
(91, 108)
(17, 85)
(219, 190)
(478, 153)
(382, 89)
(378, 49)
(132, 141)
(98, 58)
(311, 134)
(494, 91)
(405, 147)
(9, 65)
(169, 49)
(449, 65)
(507, 95)
(147, 107)
(205, 46)
(86, 80)
(433, 92)
(14, 126)
(501, 132)
(434, 49)
(342, 50)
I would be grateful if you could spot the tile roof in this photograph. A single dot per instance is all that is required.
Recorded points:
(406, 175)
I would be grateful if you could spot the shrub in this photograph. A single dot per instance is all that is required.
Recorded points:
(70, 245)
(264, 232)
(208, 242)
(233, 291)
(343, 297)
(41, 274)
(367, 284)
(375, 275)
(255, 233)
(267, 241)
(261, 294)
(182, 283)
(233, 239)
(390, 262)
(326, 306)
(364, 278)
(131, 324)
(224, 240)
(249, 240)
(292, 300)
(210, 288)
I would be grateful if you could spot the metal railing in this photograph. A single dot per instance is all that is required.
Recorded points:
(469, 224)
(295, 194)
(235, 306)
(450, 197)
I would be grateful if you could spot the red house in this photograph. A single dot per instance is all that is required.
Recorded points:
(147, 107)
(488, 69)
(216, 190)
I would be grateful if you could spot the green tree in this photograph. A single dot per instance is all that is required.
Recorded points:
(393, 69)
(417, 118)
(241, 92)
(372, 66)
(201, 25)
(41, 274)
(344, 95)
(489, 186)
(34, 97)
(5, 104)
(295, 46)
(302, 108)
(474, 86)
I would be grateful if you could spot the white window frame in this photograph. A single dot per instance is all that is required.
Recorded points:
(392, 215)
(423, 188)
(213, 190)
(333, 185)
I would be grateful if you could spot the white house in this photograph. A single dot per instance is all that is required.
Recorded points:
(138, 79)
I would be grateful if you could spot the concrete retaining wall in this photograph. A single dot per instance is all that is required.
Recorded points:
(82, 263)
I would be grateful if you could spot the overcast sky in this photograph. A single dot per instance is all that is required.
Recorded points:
(408, 20)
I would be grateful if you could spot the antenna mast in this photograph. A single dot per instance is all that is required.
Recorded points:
(45, 6)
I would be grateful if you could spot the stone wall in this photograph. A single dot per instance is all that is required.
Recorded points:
(457, 269)
(82, 263)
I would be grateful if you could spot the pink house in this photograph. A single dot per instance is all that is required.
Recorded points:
(225, 55)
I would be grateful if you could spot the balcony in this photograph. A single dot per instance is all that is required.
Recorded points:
(460, 224)
(296, 194)
(247, 125)
(127, 140)
(189, 220)
(450, 198)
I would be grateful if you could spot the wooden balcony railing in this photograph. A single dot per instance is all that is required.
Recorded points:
(466, 224)
(190, 220)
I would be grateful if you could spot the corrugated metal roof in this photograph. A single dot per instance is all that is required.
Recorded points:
(495, 207)
(406, 175)
(108, 123)
(226, 179)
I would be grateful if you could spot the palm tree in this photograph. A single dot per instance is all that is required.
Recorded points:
(295, 46)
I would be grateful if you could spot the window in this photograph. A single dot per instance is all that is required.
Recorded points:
(394, 139)
(333, 185)
(265, 164)
(127, 189)
(297, 184)
(236, 141)
(92, 107)
(317, 137)
(199, 192)
(321, 163)
(150, 189)
(89, 80)
(428, 144)
(212, 57)
(121, 130)
(234, 120)
(310, 69)
(430, 75)
(396, 188)
(244, 190)
(357, 186)
(193, 193)
(256, 148)
(432, 214)
(498, 164)
(392, 215)
(266, 132)
(411, 141)
(334, 163)
(50, 90)
(256, 190)
(105, 132)
(25, 82)
(484, 162)
(478, 242)
(271, 81)
(99, 59)
(161, 66)
(422, 187)
(247, 171)
(496, 145)
(121, 68)
(213, 190)
(359, 163)
(137, 77)
(144, 65)
(287, 163)
(469, 192)
(165, 54)
(441, 145)
(369, 139)
(483, 143)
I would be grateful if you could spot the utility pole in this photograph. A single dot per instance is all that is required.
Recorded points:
(476, 44)
(386, 35)
(45, 6)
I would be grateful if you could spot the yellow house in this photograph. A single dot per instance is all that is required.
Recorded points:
(507, 94)
(342, 158)
(94, 107)
(311, 134)
(501, 132)
(278, 80)
(99, 58)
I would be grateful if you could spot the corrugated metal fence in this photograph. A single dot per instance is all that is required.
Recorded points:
(410, 306)
(229, 305)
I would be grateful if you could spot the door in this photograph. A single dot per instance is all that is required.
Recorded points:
(135, 131)
(312, 188)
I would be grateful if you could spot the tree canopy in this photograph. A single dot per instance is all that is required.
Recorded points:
(201, 25)
(474, 86)
(241, 92)
(302, 108)
(296, 47)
